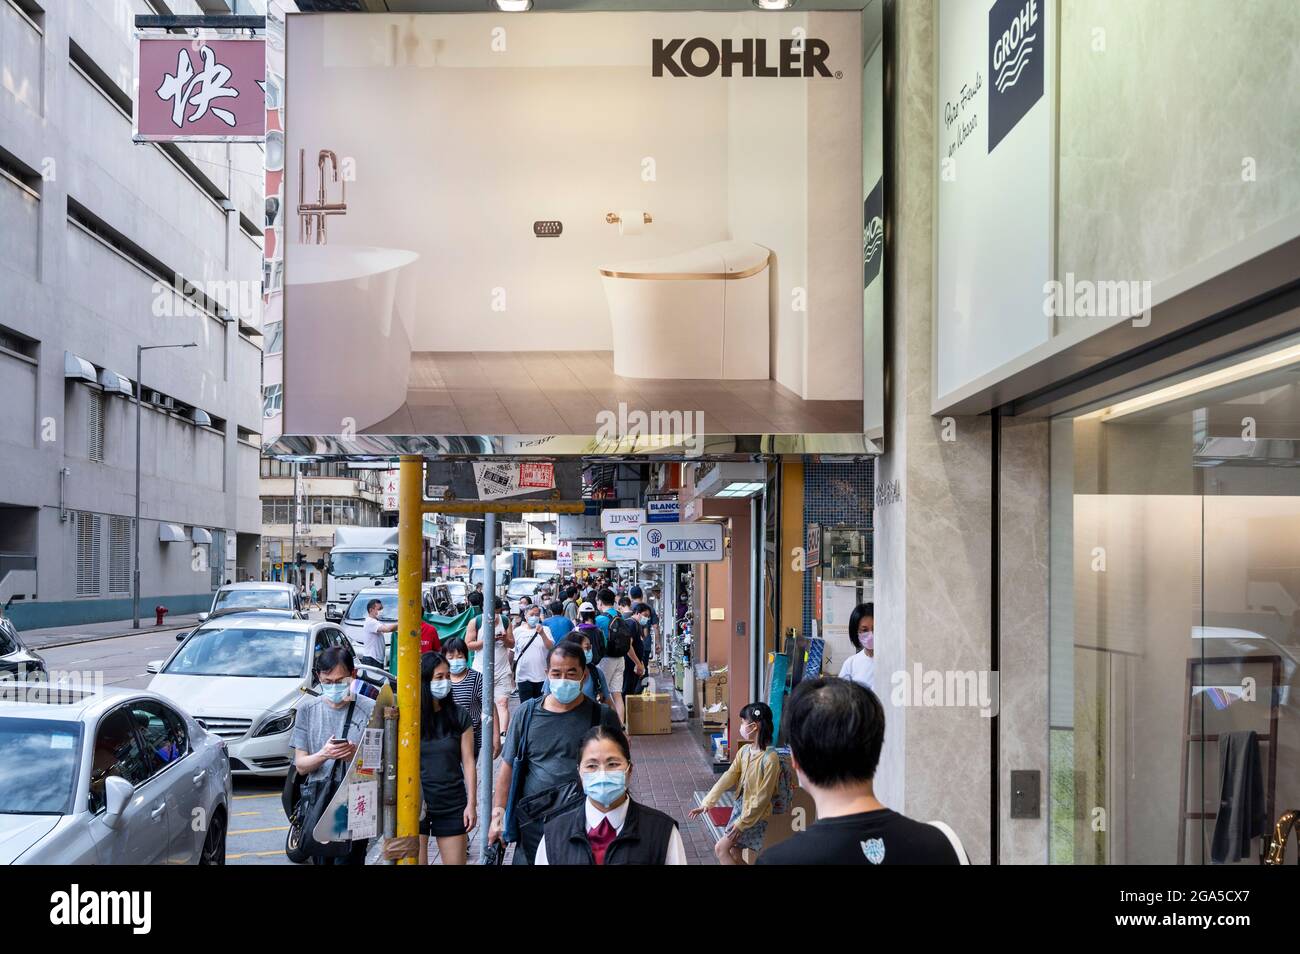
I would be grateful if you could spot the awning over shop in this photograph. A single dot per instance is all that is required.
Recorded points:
(171, 533)
(201, 535)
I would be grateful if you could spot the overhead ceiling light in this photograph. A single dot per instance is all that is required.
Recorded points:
(512, 6)
(1214, 379)
(774, 4)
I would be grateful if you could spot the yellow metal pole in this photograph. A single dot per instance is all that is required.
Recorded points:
(410, 564)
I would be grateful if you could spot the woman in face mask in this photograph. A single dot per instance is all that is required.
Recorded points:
(446, 765)
(755, 771)
(467, 688)
(609, 828)
(861, 666)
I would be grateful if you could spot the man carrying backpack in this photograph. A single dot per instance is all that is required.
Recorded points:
(620, 637)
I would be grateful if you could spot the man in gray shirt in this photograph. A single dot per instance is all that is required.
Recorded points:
(553, 742)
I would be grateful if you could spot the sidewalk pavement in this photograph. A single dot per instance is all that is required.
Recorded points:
(51, 636)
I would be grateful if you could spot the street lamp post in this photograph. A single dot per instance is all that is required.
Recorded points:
(139, 397)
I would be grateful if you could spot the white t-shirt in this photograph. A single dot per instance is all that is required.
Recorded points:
(531, 666)
(860, 668)
(372, 640)
(501, 662)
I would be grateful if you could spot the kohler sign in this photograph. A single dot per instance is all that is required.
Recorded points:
(700, 56)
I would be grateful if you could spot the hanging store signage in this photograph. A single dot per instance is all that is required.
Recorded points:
(682, 543)
(813, 546)
(195, 90)
(623, 545)
(622, 519)
(662, 510)
(564, 556)
(499, 480)
(392, 483)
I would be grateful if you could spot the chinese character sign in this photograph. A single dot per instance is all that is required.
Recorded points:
(196, 90)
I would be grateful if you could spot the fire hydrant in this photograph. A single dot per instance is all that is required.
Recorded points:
(159, 612)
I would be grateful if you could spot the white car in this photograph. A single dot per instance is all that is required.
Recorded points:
(112, 776)
(242, 597)
(522, 586)
(243, 677)
(354, 617)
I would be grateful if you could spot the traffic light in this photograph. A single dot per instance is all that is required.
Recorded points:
(301, 558)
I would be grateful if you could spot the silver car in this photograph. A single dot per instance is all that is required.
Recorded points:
(110, 776)
(243, 597)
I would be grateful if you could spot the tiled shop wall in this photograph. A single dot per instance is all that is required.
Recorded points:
(835, 495)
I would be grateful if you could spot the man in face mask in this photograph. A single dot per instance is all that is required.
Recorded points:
(532, 642)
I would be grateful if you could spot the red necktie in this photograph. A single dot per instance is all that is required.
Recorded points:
(599, 839)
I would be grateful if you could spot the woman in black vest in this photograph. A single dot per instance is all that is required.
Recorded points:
(609, 828)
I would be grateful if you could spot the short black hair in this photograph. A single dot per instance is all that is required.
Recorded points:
(455, 645)
(859, 612)
(836, 730)
(372, 603)
(624, 601)
(640, 608)
(331, 657)
(567, 649)
(476, 598)
(603, 731)
(605, 596)
(556, 608)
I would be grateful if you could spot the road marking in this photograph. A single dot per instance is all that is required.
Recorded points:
(256, 854)
(248, 813)
(254, 831)
(75, 661)
(237, 797)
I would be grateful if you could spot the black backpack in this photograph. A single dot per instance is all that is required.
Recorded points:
(622, 633)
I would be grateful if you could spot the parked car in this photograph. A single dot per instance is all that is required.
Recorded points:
(522, 586)
(241, 597)
(354, 617)
(242, 677)
(458, 590)
(109, 777)
(16, 660)
(438, 595)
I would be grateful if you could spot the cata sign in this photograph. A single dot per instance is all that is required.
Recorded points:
(623, 545)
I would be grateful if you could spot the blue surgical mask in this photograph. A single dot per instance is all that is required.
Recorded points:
(457, 666)
(440, 688)
(335, 692)
(587, 653)
(604, 788)
(565, 690)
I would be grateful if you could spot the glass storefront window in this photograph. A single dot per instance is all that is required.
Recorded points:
(1175, 619)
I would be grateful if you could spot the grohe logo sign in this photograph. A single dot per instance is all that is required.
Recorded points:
(703, 57)
(1017, 38)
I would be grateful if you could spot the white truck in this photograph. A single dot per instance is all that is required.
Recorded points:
(360, 557)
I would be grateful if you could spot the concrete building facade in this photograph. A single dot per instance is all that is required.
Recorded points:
(106, 245)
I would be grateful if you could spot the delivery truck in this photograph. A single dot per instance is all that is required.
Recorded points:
(360, 557)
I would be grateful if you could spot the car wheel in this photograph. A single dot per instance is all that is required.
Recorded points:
(214, 846)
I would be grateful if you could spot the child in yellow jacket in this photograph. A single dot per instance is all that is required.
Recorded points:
(755, 770)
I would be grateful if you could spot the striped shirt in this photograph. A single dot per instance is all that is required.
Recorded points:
(468, 694)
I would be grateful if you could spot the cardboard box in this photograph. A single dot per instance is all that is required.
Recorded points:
(649, 714)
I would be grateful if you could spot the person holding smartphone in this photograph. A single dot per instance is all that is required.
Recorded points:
(329, 727)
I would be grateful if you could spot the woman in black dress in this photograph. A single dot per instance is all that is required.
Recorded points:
(447, 773)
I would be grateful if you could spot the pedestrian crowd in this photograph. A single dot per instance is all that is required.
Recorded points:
(561, 793)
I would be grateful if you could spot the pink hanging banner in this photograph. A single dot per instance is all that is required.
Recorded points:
(195, 90)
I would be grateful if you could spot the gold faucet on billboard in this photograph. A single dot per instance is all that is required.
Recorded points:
(318, 210)
(1281, 832)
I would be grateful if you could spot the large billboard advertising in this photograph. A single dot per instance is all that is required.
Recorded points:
(605, 225)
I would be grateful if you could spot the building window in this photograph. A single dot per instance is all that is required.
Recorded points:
(217, 557)
(119, 554)
(275, 337)
(95, 425)
(87, 554)
(272, 400)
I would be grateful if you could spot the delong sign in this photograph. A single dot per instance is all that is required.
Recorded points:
(703, 57)
(682, 543)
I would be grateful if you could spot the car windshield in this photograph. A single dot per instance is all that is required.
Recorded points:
(457, 590)
(251, 599)
(39, 767)
(239, 651)
(387, 612)
(522, 587)
(352, 563)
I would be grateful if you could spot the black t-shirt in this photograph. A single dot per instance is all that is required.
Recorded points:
(442, 775)
(882, 837)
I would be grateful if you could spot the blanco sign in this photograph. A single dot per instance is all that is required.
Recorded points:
(682, 543)
(623, 545)
(626, 519)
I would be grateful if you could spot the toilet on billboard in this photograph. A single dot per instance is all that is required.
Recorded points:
(682, 543)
